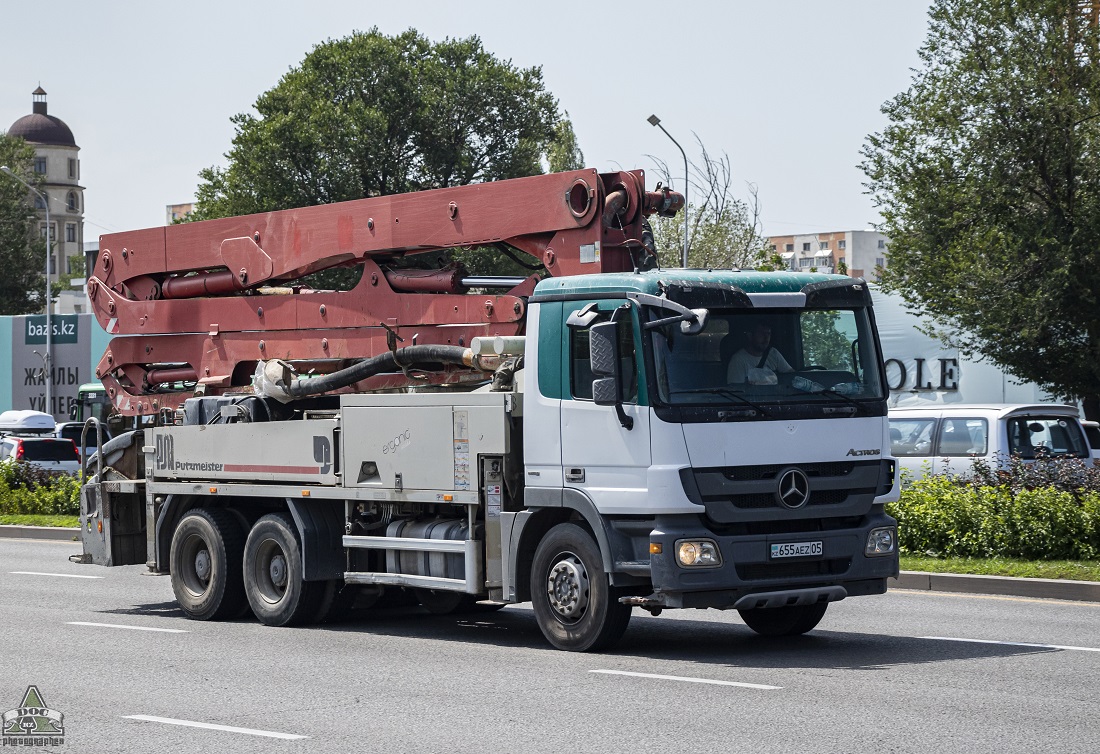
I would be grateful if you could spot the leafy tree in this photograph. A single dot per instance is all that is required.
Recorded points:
(824, 345)
(723, 231)
(369, 115)
(988, 180)
(22, 251)
(564, 151)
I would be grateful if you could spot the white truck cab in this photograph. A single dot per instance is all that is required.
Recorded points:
(947, 439)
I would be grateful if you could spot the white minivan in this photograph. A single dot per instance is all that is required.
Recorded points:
(947, 438)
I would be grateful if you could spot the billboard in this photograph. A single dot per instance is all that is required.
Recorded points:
(77, 344)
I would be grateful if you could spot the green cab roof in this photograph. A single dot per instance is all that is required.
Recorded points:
(653, 281)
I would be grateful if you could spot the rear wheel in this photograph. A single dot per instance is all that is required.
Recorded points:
(336, 602)
(575, 605)
(205, 562)
(273, 574)
(784, 621)
(443, 602)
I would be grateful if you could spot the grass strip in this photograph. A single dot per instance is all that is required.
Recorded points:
(45, 520)
(1077, 570)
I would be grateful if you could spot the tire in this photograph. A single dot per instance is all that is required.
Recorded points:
(443, 602)
(784, 621)
(575, 605)
(273, 574)
(205, 562)
(335, 604)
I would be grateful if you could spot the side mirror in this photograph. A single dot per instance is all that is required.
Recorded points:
(603, 359)
(605, 391)
(603, 349)
(72, 411)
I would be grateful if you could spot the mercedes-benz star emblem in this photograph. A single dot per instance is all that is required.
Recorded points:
(794, 488)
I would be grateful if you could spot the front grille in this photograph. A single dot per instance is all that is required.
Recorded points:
(754, 473)
(763, 571)
(784, 526)
(761, 500)
(765, 500)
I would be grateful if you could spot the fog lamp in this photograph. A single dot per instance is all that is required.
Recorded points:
(698, 553)
(880, 542)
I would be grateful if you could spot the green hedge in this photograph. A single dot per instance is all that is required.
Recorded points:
(27, 490)
(950, 517)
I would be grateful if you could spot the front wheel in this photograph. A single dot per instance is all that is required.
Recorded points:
(793, 620)
(575, 605)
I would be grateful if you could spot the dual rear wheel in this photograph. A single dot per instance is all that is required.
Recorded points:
(218, 573)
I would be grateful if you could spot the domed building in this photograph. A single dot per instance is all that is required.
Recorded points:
(57, 160)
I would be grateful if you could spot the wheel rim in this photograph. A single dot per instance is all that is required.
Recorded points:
(567, 588)
(272, 571)
(197, 564)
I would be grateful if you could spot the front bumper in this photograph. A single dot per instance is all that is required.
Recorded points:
(747, 569)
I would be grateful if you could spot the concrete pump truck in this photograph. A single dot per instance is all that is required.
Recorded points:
(595, 436)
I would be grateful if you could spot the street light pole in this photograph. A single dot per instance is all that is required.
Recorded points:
(49, 323)
(655, 121)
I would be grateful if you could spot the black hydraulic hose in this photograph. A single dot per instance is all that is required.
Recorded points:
(381, 364)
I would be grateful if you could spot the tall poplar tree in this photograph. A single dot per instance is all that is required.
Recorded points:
(988, 180)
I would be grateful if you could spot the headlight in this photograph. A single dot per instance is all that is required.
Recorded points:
(880, 542)
(698, 553)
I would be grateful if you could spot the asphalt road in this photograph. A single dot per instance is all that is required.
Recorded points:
(908, 671)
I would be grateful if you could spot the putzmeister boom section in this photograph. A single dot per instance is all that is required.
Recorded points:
(194, 307)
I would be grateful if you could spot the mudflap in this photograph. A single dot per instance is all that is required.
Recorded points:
(112, 524)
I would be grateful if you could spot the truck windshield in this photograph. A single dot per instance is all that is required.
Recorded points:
(92, 401)
(769, 356)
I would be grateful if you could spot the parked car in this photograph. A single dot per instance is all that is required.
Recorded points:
(1092, 434)
(946, 439)
(29, 436)
(73, 430)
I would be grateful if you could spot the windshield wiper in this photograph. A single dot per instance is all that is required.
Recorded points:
(845, 398)
(726, 393)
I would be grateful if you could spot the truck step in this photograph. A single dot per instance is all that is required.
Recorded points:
(404, 579)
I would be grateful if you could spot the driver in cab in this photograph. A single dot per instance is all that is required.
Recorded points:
(758, 362)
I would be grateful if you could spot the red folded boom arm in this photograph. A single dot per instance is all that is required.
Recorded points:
(195, 306)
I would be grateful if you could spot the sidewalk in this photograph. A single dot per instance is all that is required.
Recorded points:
(1055, 589)
(63, 533)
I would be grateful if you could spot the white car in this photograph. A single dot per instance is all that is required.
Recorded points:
(1092, 433)
(28, 436)
(946, 439)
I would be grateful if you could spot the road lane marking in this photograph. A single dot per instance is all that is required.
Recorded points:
(62, 575)
(1000, 597)
(131, 628)
(1011, 643)
(690, 680)
(211, 726)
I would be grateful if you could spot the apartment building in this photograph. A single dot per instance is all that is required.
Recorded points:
(857, 253)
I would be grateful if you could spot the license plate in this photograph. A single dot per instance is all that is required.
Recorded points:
(796, 550)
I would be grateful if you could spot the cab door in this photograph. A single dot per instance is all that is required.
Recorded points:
(601, 457)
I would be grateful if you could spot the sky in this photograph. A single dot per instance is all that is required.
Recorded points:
(788, 89)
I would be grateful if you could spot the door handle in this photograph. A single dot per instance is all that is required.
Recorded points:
(574, 475)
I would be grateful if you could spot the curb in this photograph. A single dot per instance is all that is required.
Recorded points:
(56, 533)
(1054, 589)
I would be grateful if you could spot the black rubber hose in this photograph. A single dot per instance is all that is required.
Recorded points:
(381, 364)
